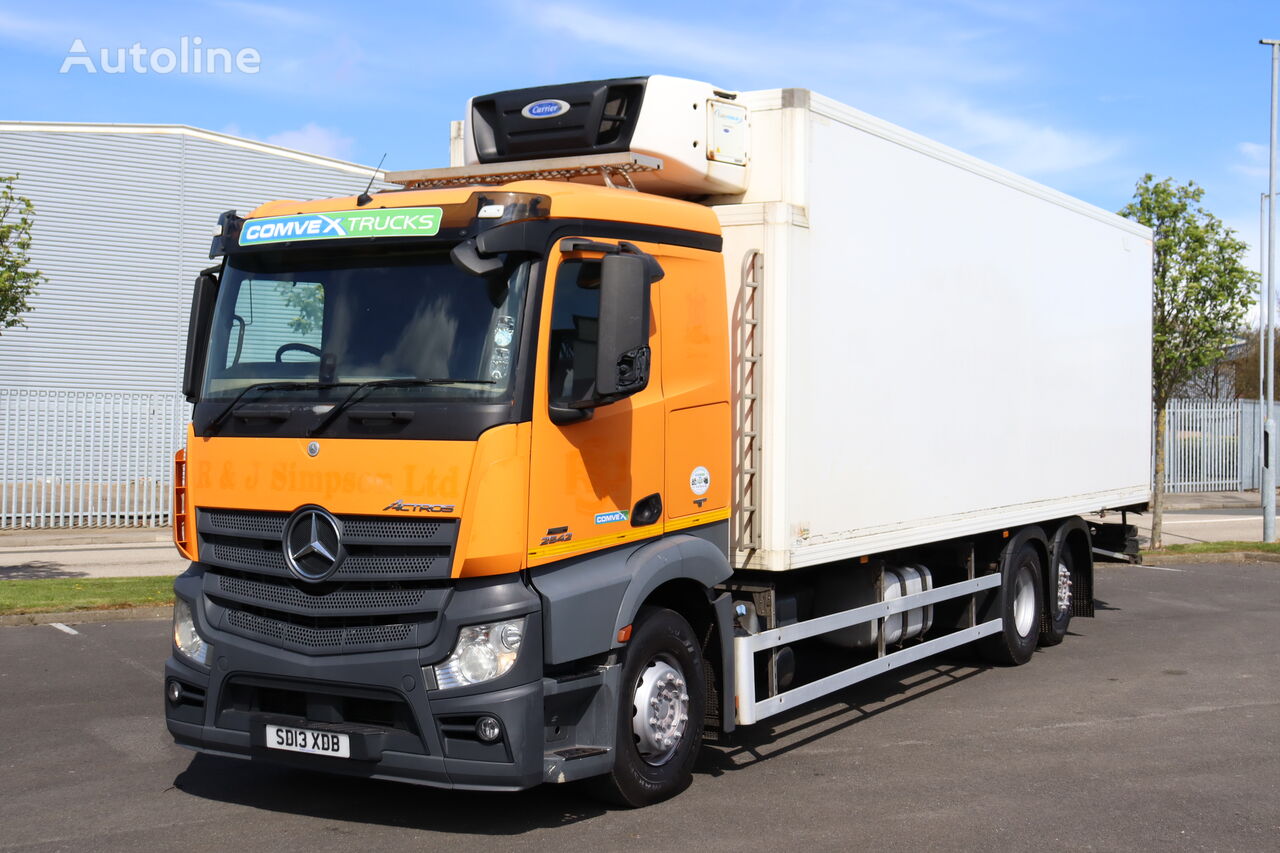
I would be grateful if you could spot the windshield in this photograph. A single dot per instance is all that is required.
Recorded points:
(345, 320)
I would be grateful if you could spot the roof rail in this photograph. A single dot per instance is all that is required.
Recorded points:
(554, 168)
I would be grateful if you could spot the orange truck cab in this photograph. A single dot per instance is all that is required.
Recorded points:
(422, 518)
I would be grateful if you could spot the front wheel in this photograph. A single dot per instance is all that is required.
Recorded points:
(660, 713)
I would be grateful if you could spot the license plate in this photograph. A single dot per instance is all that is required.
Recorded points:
(309, 741)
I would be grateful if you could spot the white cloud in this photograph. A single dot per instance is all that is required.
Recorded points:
(1023, 13)
(274, 15)
(912, 45)
(43, 33)
(1254, 162)
(915, 65)
(1017, 144)
(314, 139)
(662, 39)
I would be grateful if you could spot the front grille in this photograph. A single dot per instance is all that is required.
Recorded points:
(238, 556)
(393, 529)
(387, 594)
(235, 522)
(334, 639)
(349, 598)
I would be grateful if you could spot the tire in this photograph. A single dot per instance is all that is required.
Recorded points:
(1057, 598)
(662, 663)
(1019, 605)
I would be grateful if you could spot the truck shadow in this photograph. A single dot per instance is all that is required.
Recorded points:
(792, 730)
(368, 801)
(36, 570)
(349, 800)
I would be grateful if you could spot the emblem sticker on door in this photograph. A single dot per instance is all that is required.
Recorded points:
(700, 480)
(611, 517)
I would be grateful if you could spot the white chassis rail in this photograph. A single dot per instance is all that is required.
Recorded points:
(745, 648)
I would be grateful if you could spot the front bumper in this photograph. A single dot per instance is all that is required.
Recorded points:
(400, 727)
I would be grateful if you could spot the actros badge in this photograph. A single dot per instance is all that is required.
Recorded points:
(401, 506)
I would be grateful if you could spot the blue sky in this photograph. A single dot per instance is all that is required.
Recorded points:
(1081, 95)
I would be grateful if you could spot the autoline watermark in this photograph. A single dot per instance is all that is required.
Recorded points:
(189, 57)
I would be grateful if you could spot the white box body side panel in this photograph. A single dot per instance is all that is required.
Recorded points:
(962, 349)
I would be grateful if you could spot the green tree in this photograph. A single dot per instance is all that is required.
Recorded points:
(308, 300)
(17, 281)
(1201, 293)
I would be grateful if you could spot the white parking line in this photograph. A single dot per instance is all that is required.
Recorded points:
(1211, 520)
(1162, 568)
(63, 628)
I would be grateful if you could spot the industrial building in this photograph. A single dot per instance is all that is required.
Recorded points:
(90, 413)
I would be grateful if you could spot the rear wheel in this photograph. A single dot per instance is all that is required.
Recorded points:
(1057, 599)
(1018, 604)
(660, 714)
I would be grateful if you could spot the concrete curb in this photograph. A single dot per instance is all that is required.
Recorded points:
(77, 617)
(37, 540)
(1210, 505)
(1227, 557)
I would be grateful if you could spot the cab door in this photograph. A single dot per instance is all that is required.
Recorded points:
(589, 477)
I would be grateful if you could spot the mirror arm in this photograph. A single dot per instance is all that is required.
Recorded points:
(571, 413)
(467, 258)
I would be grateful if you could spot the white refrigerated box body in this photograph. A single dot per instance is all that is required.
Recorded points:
(946, 348)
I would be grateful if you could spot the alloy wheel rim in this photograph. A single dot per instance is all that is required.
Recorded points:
(1064, 588)
(1024, 603)
(660, 710)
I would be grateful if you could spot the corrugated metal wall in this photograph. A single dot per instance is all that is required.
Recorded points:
(124, 215)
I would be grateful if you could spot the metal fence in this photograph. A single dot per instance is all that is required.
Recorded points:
(88, 458)
(104, 459)
(1212, 445)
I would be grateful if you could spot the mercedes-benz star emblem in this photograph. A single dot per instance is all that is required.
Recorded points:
(313, 544)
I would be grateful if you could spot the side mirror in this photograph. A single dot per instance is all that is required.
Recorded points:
(202, 299)
(622, 354)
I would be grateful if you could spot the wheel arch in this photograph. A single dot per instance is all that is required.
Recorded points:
(1073, 534)
(676, 570)
(587, 600)
(1033, 534)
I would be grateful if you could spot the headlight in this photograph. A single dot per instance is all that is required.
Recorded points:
(185, 639)
(482, 653)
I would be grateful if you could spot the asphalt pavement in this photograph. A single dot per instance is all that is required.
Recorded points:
(1155, 726)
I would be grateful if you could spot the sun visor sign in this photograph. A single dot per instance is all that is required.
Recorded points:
(342, 224)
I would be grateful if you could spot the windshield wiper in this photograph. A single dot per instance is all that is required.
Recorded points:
(365, 388)
(262, 387)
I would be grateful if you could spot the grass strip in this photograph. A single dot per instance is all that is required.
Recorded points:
(60, 595)
(1217, 548)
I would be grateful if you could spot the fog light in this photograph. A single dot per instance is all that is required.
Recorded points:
(488, 729)
(174, 692)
